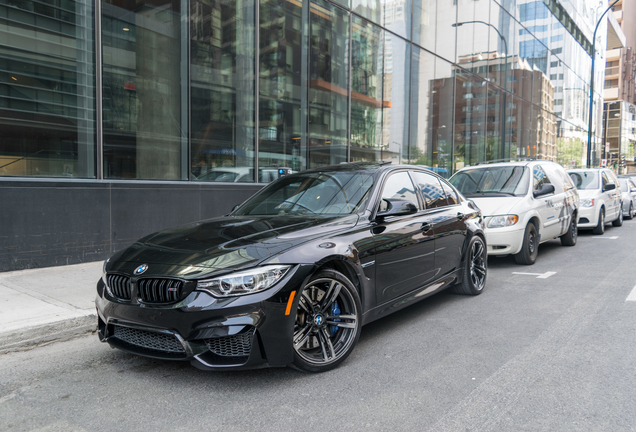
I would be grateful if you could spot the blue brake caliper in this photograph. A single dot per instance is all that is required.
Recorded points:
(335, 310)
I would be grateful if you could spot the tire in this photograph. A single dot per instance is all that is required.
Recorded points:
(619, 221)
(569, 238)
(475, 269)
(530, 248)
(631, 211)
(321, 341)
(600, 228)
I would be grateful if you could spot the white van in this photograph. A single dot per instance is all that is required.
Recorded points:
(601, 198)
(523, 204)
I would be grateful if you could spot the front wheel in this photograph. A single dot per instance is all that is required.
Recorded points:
(619, 221)
(327, 325)
(475, 268)
(600, 228)
(530, 247)
(569, 238)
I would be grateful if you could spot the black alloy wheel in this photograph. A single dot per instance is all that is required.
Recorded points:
(600, 228)
(619, 220)
(327, 325)
(530, 247)
(475, 268)
(569, 238)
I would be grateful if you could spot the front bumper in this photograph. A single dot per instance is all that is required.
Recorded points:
(504, 241)
(212, 333)
(588, 217)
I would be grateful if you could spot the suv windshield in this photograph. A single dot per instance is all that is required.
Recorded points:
(585, 179)
(492, 181)
(312, 194)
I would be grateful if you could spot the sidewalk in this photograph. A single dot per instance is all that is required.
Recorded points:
(41, 306)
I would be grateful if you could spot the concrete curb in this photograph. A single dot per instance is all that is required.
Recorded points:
(22, 340)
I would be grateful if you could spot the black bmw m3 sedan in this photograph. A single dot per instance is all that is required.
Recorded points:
(292, 275)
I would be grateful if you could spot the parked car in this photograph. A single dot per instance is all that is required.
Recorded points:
(523, 204)
(629, 196)
(291, 275)
(601, 198)
(241, 175)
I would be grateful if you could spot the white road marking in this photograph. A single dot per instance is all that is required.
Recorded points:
(607, 238)
(538, 275)
(632, 295)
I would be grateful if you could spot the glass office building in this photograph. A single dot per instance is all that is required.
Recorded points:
(227, 92)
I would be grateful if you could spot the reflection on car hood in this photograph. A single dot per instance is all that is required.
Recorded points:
(231, 242)
(492, 206)
(589, 193)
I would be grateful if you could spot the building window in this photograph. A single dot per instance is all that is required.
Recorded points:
(145, 101)
(47, 89)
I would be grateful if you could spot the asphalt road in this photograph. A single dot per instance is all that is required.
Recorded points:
(550, 353)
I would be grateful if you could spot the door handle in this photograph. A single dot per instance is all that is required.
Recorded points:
(426, 226)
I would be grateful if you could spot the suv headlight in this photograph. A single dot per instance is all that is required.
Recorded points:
(587, 202)
(244, 282)
(502, 221)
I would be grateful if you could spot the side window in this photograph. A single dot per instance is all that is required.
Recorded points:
(399, 186)
(451, 196)
(560, 180)
(540, 177)
(431, 189)
(604, 179)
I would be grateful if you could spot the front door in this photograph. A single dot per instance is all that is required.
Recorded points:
(404, 245)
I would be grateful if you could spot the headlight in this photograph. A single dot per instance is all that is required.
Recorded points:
(502, 221)
(244, 282)
(587, 202)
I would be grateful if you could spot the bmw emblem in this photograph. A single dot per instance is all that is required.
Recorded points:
(318, 319)
(142, 268)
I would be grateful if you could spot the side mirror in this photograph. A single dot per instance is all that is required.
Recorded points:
(545, 190)
(609, 187)
(397, 207)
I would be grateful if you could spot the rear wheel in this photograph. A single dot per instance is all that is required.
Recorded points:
(619, 221)
(475, 268)
(600, 228)
(530, 247)
(569, 238)
(327, 325)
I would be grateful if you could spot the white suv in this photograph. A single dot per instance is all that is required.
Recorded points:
(601, 198)
(523, 204)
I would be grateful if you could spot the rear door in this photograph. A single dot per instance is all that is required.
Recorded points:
(446, 218)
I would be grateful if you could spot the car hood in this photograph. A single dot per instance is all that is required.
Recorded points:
(224, 243)
(492, 206)
(588, 193)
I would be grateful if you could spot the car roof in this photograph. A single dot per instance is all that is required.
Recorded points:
(366, 166)
(506, 164)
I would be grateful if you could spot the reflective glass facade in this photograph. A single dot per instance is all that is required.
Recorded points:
(234, 90)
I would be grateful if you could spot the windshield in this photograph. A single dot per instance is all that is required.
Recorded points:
(492, 181)
(585, 179)
(312, 194)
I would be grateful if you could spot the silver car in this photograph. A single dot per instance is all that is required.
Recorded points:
(629, 196)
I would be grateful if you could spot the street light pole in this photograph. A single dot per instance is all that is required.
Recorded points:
(503, 108)
(589, 123)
